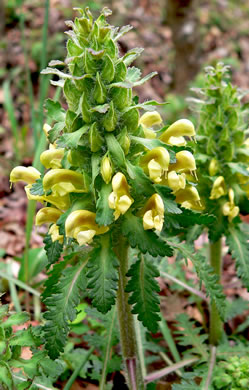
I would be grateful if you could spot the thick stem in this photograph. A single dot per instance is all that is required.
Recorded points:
(216, 324)
(126, 323)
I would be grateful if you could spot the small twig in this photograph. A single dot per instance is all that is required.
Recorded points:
(167, 370)
(191, 289)
(210, 368)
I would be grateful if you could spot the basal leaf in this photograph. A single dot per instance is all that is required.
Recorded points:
(144, 292)
(102, 275)
(61, 307)
(145, 240)
(237, 240)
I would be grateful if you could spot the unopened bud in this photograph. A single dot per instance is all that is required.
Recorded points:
(106, 169)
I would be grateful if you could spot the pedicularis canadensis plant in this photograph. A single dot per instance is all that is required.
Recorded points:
(112, 182)
(223, 172)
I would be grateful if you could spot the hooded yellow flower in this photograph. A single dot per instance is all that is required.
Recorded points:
(47, 215)
(120, 199)
(185, 162)
(51, 158)
(155, 163)
(178, 129)
(27, 174)
(81, 225)
(219, 188)
(229, 209)
(176, 181)
(63, 181)
(153, 213)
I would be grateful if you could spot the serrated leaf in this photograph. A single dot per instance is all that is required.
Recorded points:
(25, 338)
(37, 188)
(16, 319)
(128, 84)
(190, 218)
(104, 215)
(144, 289)
(63, 75)
(145, 240)
(140, 182)
(237, 240)
(6, 376)
(61, 307)
(71, 140)
(102, 275)
(122, 31)
(206, 275)
(54, 111)
(170, 206)
(53, 249)
(115, 150)
(132, 55)
(149, 105)
(133, 74)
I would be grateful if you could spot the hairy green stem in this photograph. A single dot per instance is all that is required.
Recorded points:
(126, 323)
(216, 324)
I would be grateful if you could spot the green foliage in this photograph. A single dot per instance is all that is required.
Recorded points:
(231, 374)
(144, 289)
(53, 249)
(102, 275)
(37, 188)
(239, 248)
(192, 335)
(145, 240)
(61, 303)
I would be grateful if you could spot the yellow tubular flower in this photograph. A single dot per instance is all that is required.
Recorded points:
(52, 158)
(154, 213)
(64, 181)
(182, 127)
(213, 167)
(219, 188)
(120, 199)
(61, 202)
(81, 225)
(27, 174)
(185, 162)
(150, 119)
(106, 169)
(229, 209)
(188, 198)
(155, 163)
(47, 215)
(176, 182)
(55, 235)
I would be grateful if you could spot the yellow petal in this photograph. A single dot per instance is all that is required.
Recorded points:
(62, 181)
(175, 181)
(185, 161)
(124, 204)
(155, 171)
(159, 154)
(85, 237)
(119, 184)
(177, 141)
(150, 119)
(149, 133)
(61, 202)
(46, 128)
(187, 194)
(52, 158)
(182, 127)
(47, 215)
(55, 235)
(81, 220)
(27, 174)
(148, 222)
(219, 188)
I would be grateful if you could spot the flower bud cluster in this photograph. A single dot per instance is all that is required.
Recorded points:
(96, 144)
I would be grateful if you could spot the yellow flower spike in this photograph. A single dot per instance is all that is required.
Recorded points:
(219, 188)
(156, 163)
(176, 182)
(61, 202)
(185, 162)
(229, 209)
(106, 169)
(64, 181)
(52, 158)
(120, 199)
(153, 213)
(213, 167)
(47, 215)
(182, 127)
(55, 235)
(27, 174)
(150, 119)
(81, 225)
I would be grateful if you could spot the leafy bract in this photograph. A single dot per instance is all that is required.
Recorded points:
(104, 214)
(61, 307)
(144, 292)
(37, 188)
(145, 240)
(237, 240)
(102, 275)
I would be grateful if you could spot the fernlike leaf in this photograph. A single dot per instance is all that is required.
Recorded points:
(102, 275)
(37, 188)
(237, 240)
(61, 305)
(206, 275)
(144, 292)
(170, 206)
(145, 240)
(104, 215)
(190, 218)
(16, 319)
(53, 249)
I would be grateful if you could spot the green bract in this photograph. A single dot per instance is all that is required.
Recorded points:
(112, 177)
